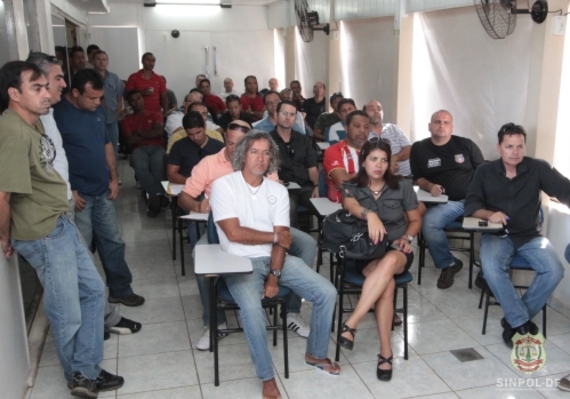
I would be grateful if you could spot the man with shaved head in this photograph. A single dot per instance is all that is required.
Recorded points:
(273, 84)
(315, 106)
(229, 89)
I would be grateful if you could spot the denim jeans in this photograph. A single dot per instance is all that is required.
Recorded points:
(434, 221)
(100, 230)
(148, 163)
(496, 255)
(303, 246)
(246, 289)
(113, 133)
(74, 296)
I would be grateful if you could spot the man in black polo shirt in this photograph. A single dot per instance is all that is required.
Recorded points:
(507, 191)
(444, 164)
(315, 106)
(233, 113)
(298, 159)
(187, 152)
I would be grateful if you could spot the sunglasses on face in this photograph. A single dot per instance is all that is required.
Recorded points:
(235, 126)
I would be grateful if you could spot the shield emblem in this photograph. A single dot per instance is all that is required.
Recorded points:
(459, 158)
(528, 353)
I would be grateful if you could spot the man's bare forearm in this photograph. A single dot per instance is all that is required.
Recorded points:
(424, 184)
(111, 161)
(186, 202)
(5, 215)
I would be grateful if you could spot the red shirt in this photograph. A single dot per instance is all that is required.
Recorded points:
(339, 156)
(138, 82)
(256, 103)
(145, 121)
(215, 103)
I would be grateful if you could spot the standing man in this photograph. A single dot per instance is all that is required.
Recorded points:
(399, 143)
(211, 100)
(94, 181)
(233, 113)
(327, 119)
(252, 218)
(35, 223)
(144, 133)
(315, 106)
(337, 131)
(251, 101)
(508, 191)
(298, 160)
(229, 89)
(341, 159)
(444, 164)
(150, 85)
(77, 62)
(91, 50)
(113, 95)
(298, 98)
(272, 100)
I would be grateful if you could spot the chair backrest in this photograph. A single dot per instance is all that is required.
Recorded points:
(212, 231)
(322, 184)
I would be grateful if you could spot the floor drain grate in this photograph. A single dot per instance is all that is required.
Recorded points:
(466, 355)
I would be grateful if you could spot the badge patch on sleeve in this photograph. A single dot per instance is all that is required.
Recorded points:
(459, 158)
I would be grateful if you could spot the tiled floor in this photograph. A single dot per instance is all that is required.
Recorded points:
(160, 362)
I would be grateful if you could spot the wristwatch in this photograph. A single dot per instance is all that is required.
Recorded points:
(363, 213)
(275, 272)
(409, 237)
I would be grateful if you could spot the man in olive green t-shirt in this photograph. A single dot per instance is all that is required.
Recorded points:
(33, 221)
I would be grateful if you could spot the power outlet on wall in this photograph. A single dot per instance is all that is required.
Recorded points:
(558, 25)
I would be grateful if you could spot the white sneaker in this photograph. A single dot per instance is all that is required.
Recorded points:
(296, 323)
(204, 342)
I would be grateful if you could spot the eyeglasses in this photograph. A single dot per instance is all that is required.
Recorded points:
(236, 126)
(376, 139)
(285, 113)
(274, 102)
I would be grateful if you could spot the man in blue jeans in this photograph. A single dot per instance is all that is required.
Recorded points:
(508, 191)
(252, 219)
(33, 221)
(94, 180)
(443, 164)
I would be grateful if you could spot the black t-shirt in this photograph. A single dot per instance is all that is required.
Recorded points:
(296, 157)
(226, 119)
(313, 110)
(451, 165)
(186, 154)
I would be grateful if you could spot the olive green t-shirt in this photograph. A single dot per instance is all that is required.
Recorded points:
(39, 194)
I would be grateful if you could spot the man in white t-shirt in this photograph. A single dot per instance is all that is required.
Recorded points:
(252, 218)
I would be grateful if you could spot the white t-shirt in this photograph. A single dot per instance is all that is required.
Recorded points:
(60, 162)
(174, 122)
(259, 208)
(337, 132)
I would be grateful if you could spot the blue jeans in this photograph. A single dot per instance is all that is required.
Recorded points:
(74, 296)
(303, 246)
(496, 255)
(113, 133)
(434, 221)
(246, 289)
(98, 226)
(148, 163)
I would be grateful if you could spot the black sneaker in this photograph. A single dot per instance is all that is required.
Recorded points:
(106, 336)
(83, 387)
(528, 328)
(109, 382)
(125, 327)
(446, 277)
(153, 206)
(508, 333)
(129, 300)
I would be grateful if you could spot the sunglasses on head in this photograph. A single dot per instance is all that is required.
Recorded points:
(376, 139)
(236, 126)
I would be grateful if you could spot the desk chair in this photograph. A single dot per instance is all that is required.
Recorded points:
(455, 231)
(320, 250)
(517, 263)
(221, 300)
(350, 281)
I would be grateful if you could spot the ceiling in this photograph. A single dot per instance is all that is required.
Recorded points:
(233, 2)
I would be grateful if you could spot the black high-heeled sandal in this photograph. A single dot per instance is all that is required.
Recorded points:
(384, 375)
(345, 342)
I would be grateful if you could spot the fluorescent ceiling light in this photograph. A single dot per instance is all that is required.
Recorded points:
(190, 2)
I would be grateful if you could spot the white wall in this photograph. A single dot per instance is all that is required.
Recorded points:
(311, 61)
(14, 358)
(4, 57)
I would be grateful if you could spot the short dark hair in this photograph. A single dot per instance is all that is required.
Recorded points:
(75, 49)
(11, 76)
(146, 55)
(91, 48)
(345, 101)
(511, 129)
(247, 77)
(286, 102)
(131, 93)
(268, 92)
(362, 179)
(294, 81)
(196, 89)
(354, 114)
(97, 52)
(193, 119)
(88, 75)
(197, 104)
(204, 80)
(231, 98)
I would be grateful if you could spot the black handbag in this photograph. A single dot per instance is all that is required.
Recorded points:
(348, 236)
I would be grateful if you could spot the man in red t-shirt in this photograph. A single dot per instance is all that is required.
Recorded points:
(251, 101)
(144, 132)
(341, 159)
(211, 100)
(150, 85)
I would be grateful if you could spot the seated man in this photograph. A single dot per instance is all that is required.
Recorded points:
(251, 102)
(327, 119)
(399, 143)
(199, 186)
(233, 113)
(298, 160)
(444, 163)
(143, 131)
(252, 218)
(341, 159)
(211, 100)
(187, 152)
(268, 123)
(174, 120)
(337, 131)
(507, 191)
(181, 133)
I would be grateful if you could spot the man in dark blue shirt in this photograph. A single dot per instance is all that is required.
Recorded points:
(94, 180)
(507, 191)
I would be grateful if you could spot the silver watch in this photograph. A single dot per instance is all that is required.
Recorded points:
(410, 238)
(275, 272)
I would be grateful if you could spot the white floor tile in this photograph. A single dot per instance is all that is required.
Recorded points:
(193, 392)
(438, 336)
(155, 310)
(155, 338)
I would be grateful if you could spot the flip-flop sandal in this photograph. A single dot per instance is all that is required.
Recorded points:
(321, 366)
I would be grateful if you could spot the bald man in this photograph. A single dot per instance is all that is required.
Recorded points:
(315, 106)
(229, 89)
